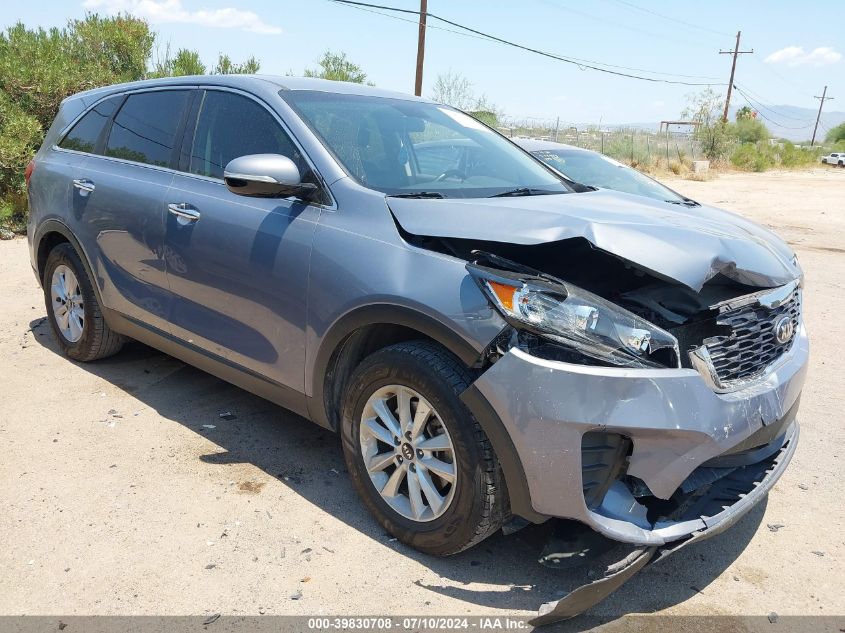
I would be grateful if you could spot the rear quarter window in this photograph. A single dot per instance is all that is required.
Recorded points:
(83, 136)
(145, 128)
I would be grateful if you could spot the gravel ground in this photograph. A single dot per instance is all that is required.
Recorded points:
(124, 491)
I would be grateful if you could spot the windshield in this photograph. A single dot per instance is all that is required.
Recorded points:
(413, 148)
(591, 168)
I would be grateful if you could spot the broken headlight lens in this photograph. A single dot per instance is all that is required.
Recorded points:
(573, 317)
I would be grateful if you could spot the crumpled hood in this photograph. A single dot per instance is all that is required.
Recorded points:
(687, 244)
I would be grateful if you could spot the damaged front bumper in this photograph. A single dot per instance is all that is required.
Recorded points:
(631, 452)
(751, 482)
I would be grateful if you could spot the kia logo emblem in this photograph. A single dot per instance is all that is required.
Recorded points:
(784, 329)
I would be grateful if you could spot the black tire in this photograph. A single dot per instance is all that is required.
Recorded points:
(97, 340)
(479, 504)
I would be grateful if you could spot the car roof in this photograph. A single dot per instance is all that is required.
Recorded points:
(534, 145)
(246, 82)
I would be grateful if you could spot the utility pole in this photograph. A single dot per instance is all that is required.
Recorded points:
(823, 98)
(421, 48)
(735, 52)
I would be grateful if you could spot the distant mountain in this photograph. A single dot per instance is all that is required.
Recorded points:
(784, 121)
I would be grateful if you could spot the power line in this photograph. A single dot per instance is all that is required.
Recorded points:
(772, 121)
(757, 105)
(671, 19)
(768, 67)
(583, 64)
(761, 102)
(604, 21)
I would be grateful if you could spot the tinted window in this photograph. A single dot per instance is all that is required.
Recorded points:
(230, 125)
(83, 136)
(145, 128)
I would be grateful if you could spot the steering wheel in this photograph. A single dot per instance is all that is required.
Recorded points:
(457, 173)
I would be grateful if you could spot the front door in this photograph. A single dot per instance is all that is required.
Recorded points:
(238, 266)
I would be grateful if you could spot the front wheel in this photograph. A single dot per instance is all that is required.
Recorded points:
(417, 457)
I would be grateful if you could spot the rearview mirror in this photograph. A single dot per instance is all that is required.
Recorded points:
(267, 176)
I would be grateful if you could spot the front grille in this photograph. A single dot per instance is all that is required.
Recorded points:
(752, 345)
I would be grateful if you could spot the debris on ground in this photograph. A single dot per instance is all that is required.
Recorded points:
(818, 553)
(211, 619)
(774, 527)
(296, 595)
(773, 617)
(208, 426)
(228, 415)
(803, 486)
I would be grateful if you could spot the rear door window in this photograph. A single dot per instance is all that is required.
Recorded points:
(84, 135)
(231, 125)
(146, 127)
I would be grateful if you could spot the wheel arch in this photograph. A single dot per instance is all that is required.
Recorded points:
(363, 331)
(50, 234)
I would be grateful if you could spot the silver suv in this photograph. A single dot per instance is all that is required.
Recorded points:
(493, 343)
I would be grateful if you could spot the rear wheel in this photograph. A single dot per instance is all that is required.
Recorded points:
(73, 310)
(417, 457)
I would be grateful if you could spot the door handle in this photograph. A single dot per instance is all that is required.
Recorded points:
(184, 212)
(83, 184)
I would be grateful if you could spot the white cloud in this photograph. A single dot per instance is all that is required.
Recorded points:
(796, 56)
(163, 11)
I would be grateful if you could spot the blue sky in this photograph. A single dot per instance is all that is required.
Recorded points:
(798, 48)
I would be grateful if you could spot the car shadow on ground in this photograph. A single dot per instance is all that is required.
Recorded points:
(309, 460)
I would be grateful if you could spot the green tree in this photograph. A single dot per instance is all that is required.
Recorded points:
(225, 66)
(744, 113)
(184, 62)
(337, 67)
(836, 134)
(39, 68)
(705, 109)
(750, 131)
(20, 134)
(456, 90)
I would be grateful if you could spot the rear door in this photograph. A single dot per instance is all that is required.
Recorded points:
(238, 269)
(119, 199)
(61, 172)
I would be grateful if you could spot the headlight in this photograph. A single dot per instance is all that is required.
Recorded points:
(578, 319)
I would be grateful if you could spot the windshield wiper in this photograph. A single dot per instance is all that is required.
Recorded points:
(418, 194)
(523, 191)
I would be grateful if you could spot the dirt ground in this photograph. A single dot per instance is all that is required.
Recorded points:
(123, 491)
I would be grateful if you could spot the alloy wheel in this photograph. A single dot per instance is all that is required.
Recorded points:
(67, 302)
(408, 453)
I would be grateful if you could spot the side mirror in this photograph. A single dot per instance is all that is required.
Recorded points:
(267, 176)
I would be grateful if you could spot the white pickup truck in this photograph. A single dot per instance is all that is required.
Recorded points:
(834, 159)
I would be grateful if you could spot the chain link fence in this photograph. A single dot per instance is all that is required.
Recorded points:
(637, 147)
